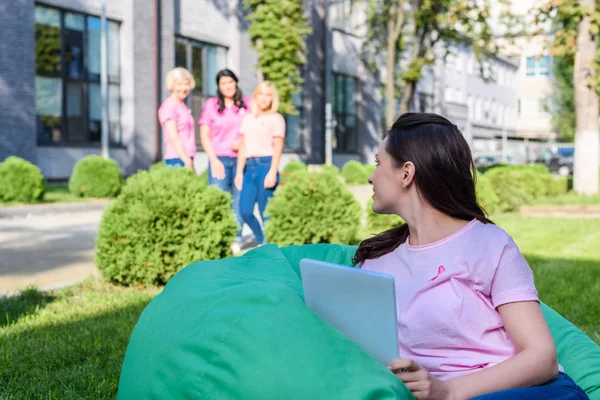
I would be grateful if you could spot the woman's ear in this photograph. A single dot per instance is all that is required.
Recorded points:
(408, 174)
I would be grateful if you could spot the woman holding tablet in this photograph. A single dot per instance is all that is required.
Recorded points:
(470, 324)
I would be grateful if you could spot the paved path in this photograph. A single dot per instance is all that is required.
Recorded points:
(47, 249)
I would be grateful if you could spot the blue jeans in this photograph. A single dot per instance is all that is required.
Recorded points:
(562, 388)
(227, 185)
(175, 162)
(253, 191)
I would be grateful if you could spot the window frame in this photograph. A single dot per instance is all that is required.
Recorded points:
(537, 69)
(85, 81)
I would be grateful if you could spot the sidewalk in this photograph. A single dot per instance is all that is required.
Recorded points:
(47, 245)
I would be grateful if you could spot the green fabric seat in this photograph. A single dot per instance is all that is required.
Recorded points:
(238, 328)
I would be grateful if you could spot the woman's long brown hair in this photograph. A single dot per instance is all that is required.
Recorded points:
(444, 174)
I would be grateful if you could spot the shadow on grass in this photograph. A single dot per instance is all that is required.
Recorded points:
(572, 288)
(27, 302)
(75, 359)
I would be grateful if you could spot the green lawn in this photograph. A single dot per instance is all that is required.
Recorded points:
(69, 344)
(56, 194)
(570, 198)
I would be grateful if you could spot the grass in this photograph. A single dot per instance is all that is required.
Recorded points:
(70, 343)
(56, 194)
(569, 199)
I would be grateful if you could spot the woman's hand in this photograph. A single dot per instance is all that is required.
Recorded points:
(189, 164)
(217, 169)
(238, 181)
(420, 382)
(270, 179)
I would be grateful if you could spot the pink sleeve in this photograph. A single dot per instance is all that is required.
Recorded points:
(206, 116)
(279, 126)
(166, 112)
(513, 280)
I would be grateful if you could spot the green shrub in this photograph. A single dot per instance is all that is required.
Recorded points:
(369, 169)
(330, 169)
(161, 222)
(516, 185)
(294, 166)
(94, 176)
(312, 208)
(354, 173)
(20, 181)
(157, 166)
(381, 222)
(486, 196)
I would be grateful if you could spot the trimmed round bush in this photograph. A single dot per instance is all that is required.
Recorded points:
(161, 222)
(381, 222)
(330, 169)
(294, 166)
(369, 169)
(486, 196)
(354, 173)
(20, 181)
(312, 208)
(157, 166)
(94, 176)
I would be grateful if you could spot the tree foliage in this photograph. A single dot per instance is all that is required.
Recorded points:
(278, 30)
(425, 24)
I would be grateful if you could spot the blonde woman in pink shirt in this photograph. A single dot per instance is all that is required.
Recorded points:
(259, 155)
(470, 324)
(177, 121)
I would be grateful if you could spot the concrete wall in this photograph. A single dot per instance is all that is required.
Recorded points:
(17, 79)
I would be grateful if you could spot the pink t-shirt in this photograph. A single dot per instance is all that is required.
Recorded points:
(447, 293)
(172, 110)
(259, 132)
(225, 126)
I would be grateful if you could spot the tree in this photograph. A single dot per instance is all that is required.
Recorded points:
(278, 30)
(579, 42)
(562, 107)
(417, 26)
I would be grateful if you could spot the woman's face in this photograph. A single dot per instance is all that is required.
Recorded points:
(387, 184)
(227, 86)
(264, 98)
(181, 88)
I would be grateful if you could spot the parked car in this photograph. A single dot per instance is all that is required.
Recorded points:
(559, 162)
(490, 160)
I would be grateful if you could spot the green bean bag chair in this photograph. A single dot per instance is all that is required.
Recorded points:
(238, 328)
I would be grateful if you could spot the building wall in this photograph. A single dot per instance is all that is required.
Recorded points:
(17, 82)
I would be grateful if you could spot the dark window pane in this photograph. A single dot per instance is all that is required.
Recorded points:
(75, 112)
(293, 132)
(197, 101)
(74, 28)
(93, 50)
(114, 49)
(351, 134)
(197, 67)
(48, 42)
(339, 93)
(350, 94)
(48, 104)
(114, 113)
(95, 110)
(181, 54)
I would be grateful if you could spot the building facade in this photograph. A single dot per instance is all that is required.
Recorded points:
(50, 109)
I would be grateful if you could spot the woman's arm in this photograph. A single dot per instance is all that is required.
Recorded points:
(241, 164)
(173, 137)
(216, 166)
(534, 364)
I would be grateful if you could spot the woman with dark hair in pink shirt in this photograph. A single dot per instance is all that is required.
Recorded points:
(470, 325)
(220, 122)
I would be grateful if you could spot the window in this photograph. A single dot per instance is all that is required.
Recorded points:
(67, 77)
(204, 61)
(425, 102)
(538, 66)
(341, 14)
(344, 102)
